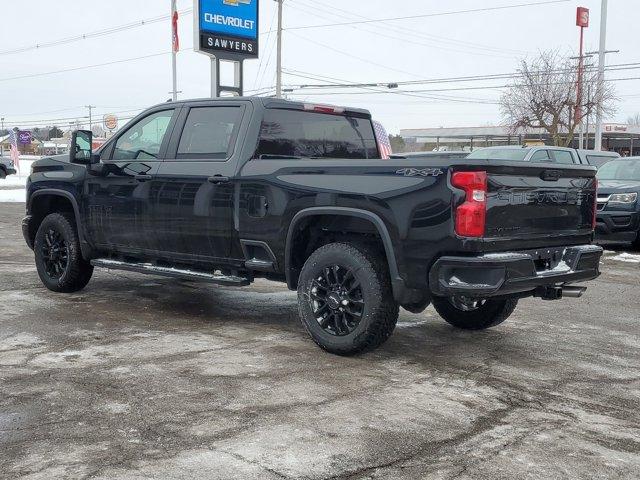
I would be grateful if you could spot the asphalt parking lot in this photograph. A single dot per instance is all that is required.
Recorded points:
(144, 377)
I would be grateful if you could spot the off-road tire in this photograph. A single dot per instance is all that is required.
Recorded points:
(380, 310)
(491, 313)
(78, 271)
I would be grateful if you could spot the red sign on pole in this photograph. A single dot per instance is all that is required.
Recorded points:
(582, 17)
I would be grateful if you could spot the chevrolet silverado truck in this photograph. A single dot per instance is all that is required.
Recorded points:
(229, 190)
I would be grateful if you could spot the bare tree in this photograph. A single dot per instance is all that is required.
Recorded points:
(543, 95)
(634, 120)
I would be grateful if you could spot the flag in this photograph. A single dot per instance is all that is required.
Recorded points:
(384, 145)
(15, 153)
(174, 28)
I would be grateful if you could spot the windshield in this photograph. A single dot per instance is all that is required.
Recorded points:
(517, 154)
(620, 170)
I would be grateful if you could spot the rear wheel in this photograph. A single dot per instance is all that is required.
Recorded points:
(474, 314)
(58, 258)
(345, 299)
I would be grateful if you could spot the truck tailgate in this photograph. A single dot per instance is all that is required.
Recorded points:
(533, 201)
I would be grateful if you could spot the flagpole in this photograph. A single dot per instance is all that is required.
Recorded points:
(174, 43)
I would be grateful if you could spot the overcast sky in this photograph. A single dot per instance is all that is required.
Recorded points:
(411, 49)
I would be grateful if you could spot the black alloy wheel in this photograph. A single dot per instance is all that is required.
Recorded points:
(55, 253)
(336, 300)
(345, 298)
(58, 254)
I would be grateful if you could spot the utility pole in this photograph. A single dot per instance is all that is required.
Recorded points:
(582, 21)
(601, 60)
(90, 107)
(175, 46)
(279, 53)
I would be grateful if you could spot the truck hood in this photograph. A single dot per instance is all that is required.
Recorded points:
(618, 186)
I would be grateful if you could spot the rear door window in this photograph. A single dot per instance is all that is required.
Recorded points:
(210, 133)
(293, 133)
(541, 156)
(563, 156)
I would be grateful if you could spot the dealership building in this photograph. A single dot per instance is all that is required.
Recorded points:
(622, 138)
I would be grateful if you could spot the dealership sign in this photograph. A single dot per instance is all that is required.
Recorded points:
(226, 28)
(24, 137)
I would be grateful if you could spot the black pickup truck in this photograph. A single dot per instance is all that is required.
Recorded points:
(229, 190)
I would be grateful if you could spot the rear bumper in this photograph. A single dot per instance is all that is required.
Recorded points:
(512, 273)
(26, 223)
(619, 227)
(11, 171)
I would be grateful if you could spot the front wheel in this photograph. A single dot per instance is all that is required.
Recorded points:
(58, 258)
(474, 314)
(345, 299)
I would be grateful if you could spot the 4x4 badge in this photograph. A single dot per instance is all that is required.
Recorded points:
(420, 172)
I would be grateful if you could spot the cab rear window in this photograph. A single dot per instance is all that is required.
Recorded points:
(292, 133)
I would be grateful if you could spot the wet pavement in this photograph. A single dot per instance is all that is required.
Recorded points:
(145, 377)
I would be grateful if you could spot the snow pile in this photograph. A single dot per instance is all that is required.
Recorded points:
(13, 195)
(12, 188)
(627, 257)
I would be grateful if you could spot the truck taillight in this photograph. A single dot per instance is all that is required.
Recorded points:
(595, 206)
(323, 108)
(471, 216)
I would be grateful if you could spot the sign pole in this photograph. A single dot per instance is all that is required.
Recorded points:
(601, 60)
(214, 77)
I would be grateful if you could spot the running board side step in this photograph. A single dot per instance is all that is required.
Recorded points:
(148, 268)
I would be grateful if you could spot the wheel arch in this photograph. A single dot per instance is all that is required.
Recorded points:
(292, 273)
(49, 200)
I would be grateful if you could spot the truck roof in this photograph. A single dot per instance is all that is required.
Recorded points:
(267, 102)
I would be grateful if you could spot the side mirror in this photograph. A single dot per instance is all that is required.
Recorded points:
(80, 149)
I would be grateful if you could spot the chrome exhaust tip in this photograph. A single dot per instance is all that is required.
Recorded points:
(573, 292)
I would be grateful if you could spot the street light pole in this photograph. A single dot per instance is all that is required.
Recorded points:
(601, 60)
(90, 107)
(279, 52)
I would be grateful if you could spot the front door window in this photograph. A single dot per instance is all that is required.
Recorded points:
(144, 138)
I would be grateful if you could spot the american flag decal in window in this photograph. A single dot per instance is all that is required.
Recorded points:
(384, 145)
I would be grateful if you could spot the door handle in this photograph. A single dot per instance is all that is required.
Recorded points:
(550, 175)
(216, 179)
(143, 177)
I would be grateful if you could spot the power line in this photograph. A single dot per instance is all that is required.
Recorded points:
(94, 34)
(373, 89)
(365, 60)
(469, 78)
(85, 67)
(488, 87)
(413, 34)
(426, 15)
(438, 38)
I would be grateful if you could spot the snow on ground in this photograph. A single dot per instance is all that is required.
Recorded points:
(12, 188)
(13, 195)
(625, 257)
